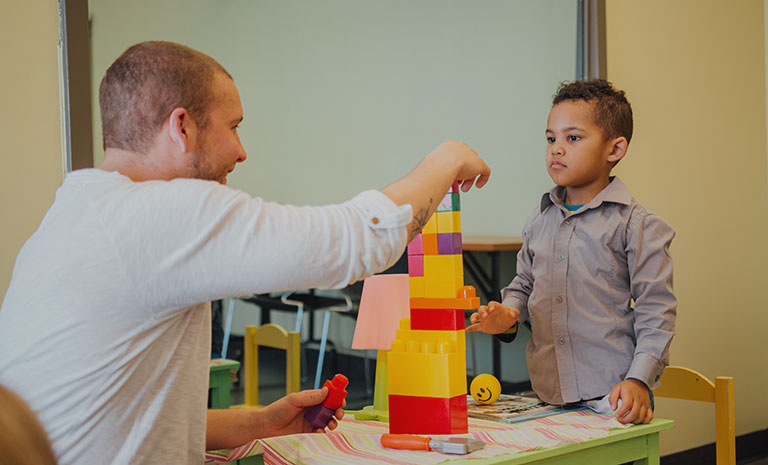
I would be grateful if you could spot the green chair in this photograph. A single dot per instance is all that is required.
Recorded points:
(220, 381)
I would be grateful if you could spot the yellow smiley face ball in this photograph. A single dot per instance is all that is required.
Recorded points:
(485, 388)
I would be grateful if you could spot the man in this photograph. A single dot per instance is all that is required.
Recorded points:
(105, 328)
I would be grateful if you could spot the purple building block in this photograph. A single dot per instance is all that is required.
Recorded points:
(318, 416)
(449, 243)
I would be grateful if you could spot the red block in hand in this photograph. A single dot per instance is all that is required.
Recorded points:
(336, 391)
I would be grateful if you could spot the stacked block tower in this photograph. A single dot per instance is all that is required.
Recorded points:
(427, 363)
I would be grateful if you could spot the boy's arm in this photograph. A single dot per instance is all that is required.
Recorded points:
(516, 294)
(650, 273)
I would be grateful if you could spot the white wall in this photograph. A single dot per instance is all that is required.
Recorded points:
(344, 95)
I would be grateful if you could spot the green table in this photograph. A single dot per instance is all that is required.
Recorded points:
(639, 443)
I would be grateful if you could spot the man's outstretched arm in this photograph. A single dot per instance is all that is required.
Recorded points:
(235, 427)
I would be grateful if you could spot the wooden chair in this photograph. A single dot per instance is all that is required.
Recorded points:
(269, 335)
(684, 383)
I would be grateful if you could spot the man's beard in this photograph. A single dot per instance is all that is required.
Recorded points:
(203, 169)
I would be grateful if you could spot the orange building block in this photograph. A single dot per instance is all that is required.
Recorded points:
(428, 415)
(429, 244)
(465, 300)
(445, 302)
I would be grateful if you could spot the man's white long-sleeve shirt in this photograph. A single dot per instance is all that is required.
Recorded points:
(105, 328)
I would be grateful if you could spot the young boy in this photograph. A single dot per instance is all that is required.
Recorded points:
(590, 251)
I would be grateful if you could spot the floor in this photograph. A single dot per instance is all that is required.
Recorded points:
(762, 461)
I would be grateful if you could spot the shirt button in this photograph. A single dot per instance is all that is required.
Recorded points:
(561, 257)
(375, 220)
(561, 341)
(568, 221)
(559, 299)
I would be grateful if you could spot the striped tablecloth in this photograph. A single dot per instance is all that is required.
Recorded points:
(355, 442)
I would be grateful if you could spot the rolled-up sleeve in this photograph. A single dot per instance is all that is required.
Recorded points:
(212, 242)
(650, 268)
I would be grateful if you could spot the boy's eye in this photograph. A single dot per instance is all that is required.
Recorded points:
(573, 138)
(551, 140)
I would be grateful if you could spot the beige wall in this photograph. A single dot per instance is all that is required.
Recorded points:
(31, 158)
(695, 74)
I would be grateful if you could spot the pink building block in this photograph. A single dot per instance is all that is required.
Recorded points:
(415, 265)
(415, 247)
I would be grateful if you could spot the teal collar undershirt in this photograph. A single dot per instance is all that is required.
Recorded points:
(572, 208)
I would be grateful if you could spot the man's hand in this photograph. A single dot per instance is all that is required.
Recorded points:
(635, 402)
(472, 168)
(494, 318)
(286, 415)
(227, 428)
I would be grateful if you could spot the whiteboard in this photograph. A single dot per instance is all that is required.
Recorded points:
(345, 95)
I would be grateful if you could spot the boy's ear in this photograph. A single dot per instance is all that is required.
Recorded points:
(618, 149)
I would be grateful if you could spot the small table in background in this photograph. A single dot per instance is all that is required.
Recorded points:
(489, 282)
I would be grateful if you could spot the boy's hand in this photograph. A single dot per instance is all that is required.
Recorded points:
(635, 402)
(493, 318)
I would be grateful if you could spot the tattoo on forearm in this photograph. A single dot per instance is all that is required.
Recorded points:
(420, 219)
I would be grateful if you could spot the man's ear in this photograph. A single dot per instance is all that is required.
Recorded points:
(618, 149)
(180, 128)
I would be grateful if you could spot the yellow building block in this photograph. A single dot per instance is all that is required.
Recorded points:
(427, 363)
(432, 291)
(443, 275)
(448, 222)
(427, 374)
(416, 286)
(431, 226)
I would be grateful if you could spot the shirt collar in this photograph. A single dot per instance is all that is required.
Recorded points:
(615, 192)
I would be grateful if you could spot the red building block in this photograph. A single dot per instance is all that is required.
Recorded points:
(428, 415)
(437, 319)
(336, 391)
(319, 415)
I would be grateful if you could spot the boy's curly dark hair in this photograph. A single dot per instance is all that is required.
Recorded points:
(612, 111)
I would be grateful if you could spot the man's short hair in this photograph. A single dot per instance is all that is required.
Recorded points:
(612, 112)
(145, 84)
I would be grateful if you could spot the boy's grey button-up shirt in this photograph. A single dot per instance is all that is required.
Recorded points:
(577, 276)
